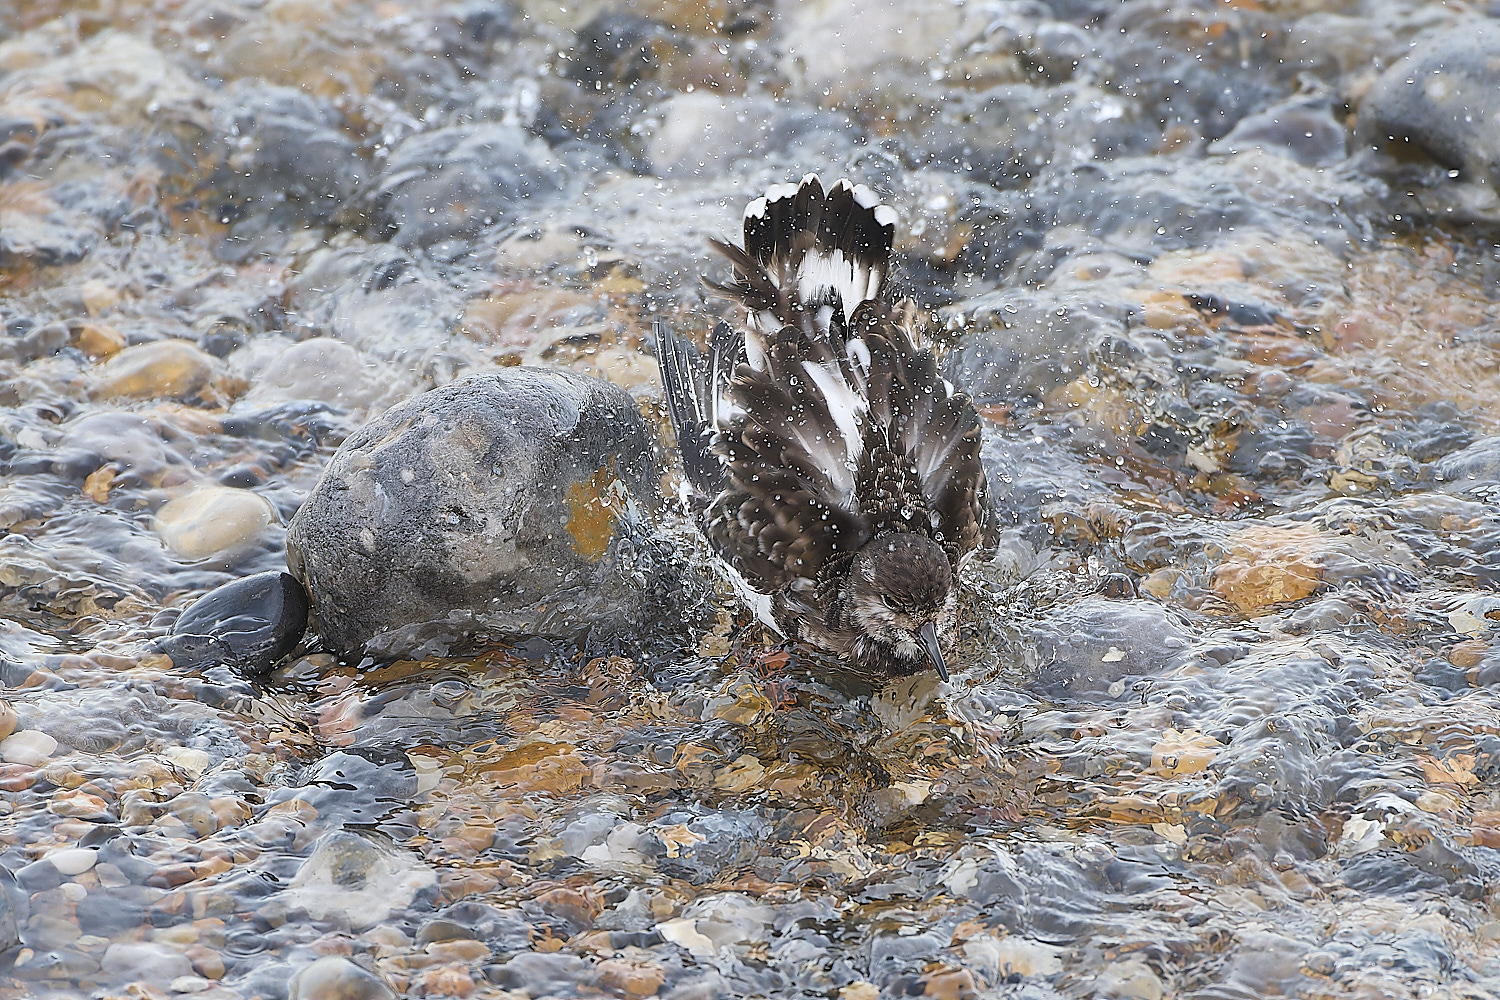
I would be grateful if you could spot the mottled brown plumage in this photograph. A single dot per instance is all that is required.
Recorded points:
(839, 472)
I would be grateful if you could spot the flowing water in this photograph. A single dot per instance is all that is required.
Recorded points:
(1224, 722)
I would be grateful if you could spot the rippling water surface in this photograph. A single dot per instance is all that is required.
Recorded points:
(1225, 724)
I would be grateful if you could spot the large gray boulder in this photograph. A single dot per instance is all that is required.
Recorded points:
(509, 501)
(1442, 102)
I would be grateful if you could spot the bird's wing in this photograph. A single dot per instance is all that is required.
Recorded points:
(932, 425)
(695, 389)
(791, 448)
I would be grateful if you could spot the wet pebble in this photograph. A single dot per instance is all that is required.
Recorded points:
(27, 746)
(1093, 645)
(213, 520)
(1129, 980)
(350, 877)
(326, 370)
(148, 962)
(1440, 101)
(158, 370)
(336, 978)
(250, 623)
(72, 861)
(1303, 130)
(13, 910)
(474, 175)
(539, 974)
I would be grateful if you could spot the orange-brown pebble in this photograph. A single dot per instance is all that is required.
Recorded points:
(448, 981)
(633, 979)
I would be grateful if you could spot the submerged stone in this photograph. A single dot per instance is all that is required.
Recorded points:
(213, 520)
(1440, 102)
(351, 878)
(456, 181)
(334, 977)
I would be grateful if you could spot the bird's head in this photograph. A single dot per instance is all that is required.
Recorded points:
(901, 597)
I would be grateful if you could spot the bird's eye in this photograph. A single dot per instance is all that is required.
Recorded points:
(889, 604)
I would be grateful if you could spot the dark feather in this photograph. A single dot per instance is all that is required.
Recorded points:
(686, 384)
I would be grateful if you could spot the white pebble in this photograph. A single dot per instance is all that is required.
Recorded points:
(73, 860)
(29, 747)
(194, 762)
(189, 984)
(213, 519)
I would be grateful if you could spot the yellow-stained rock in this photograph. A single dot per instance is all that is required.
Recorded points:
(98, 340)
(1185, 752)
(633, 979)
(162, 369)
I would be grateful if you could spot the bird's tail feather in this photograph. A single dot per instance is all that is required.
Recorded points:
(806, 250)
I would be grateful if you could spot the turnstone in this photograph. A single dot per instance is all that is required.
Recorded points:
(838, 473)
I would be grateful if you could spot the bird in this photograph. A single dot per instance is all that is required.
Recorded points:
(835, 473)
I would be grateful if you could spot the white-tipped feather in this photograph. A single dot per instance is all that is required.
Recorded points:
(821, 273)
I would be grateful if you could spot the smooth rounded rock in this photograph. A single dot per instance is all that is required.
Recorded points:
(8, 720)
(13, 910)
(1442, 101)
(152, 963)
(360, 881)
(163, 369)
(213, 519)
(28, 746)
(72, 861)
(510, 500)
(324, 369)
(456, 181)
(249, 623)
(1474, 470)
(336, 978)
(1303, 130)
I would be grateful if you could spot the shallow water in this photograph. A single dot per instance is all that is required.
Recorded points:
(1224, 724)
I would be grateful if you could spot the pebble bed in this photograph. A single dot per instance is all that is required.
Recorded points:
(1222, 278)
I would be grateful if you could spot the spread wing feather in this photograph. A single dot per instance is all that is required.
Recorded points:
(934, 426)
(790, 454)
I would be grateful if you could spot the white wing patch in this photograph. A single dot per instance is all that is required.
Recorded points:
(848, 409)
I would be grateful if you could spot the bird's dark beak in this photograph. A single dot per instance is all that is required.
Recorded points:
(929, 636)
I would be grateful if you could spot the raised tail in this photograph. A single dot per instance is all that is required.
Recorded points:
(695, 394)
(809, 254)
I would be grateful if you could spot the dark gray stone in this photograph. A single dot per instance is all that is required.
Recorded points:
(248, 624)
(508, 501)
(13, 910)
(1083, 650)
(1302, 129)
(1474, 471)
(1440, 102)
(475, 175)
(1027, 343)
(539, 974)
(286, 152)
